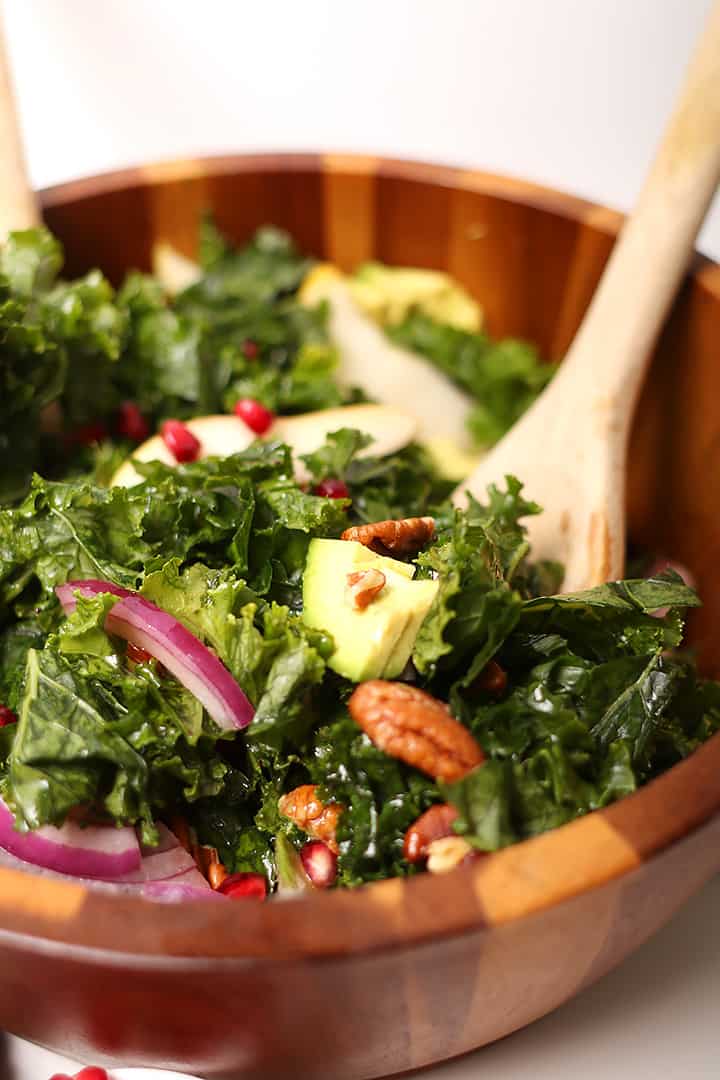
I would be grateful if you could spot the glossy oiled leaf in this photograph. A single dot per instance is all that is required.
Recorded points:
(483, 801)
(94, 732)
(65, 754)
(382, 797)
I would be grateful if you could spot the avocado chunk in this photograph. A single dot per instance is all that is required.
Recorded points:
(372, 642)
(388, 293)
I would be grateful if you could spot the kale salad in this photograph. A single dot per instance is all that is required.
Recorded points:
(248, 643)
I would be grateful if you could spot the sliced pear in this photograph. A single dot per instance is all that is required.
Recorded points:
(393, 375)
(391, 429)
(173, 270)
(451, 460)
(218, 436)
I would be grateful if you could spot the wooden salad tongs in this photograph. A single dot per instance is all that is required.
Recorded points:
(570, 448)
(18, 207)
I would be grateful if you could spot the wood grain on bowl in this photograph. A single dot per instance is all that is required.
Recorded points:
(401, 973)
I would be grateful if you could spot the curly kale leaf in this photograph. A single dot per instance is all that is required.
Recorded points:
(480, 563)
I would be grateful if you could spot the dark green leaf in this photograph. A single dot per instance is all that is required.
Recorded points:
(482, 800)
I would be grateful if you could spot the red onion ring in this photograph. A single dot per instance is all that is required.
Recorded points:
(137, 620)
(96, 851)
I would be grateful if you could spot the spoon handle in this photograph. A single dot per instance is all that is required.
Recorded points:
(18, 209)
(611, 351)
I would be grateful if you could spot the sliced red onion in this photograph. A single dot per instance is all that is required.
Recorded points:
(137, 620)
(96, 851)
(174, 892)
(134, 882)
(190, 885)
(161, 866)
(114, 888)
(144, 624)
(66, 593)
(190, 877)
(167, 840)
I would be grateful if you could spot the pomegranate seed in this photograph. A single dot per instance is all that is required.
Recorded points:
(92, 1072)
(254, 414)
(131, 423)
(7, 716)
(180, 440)
(332, 489)
(136, 654)
(250, 349)
(87, 434)
(492, 680)
(319, 863)
(244, 886)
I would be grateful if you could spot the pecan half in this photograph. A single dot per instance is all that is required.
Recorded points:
(411, 725)
(311, 814)
(402, 537)
(365, 585)
(434, 824)
(446, 853)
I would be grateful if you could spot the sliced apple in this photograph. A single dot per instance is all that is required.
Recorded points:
(173, 270)
(218, 436)
(393, 375)
(391, 429)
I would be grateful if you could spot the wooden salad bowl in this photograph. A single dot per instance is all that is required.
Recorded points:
(402, 973)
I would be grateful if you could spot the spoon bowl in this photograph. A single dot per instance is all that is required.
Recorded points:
(570, 448)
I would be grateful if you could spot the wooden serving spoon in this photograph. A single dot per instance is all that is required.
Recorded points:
(18, 208)
(569, 449)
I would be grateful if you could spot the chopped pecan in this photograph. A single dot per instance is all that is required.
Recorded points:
(311, 814)
(446, 853)
(411, 725)
(365, 585)
(208, 863)
(202, 856)
(403, 537)
(491, 680)
(181, 829)
(206, 858)
(216, 873)
(434, 824)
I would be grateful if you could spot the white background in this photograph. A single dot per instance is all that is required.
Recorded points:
(571, 93)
